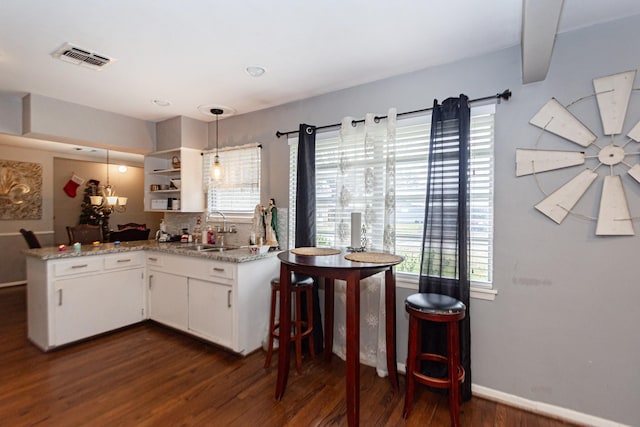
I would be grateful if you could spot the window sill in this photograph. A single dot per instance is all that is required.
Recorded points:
(477, 292)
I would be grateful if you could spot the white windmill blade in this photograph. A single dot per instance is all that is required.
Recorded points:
(635, 133)
(612, 93)
(614, 218)
(635, 172)
(559, 203)
(555, 118)
(534, 161)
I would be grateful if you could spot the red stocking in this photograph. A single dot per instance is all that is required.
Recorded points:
(71, 187)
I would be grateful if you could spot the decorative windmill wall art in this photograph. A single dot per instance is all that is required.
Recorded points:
(612, 153)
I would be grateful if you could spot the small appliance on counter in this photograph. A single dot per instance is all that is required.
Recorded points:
(161, 234)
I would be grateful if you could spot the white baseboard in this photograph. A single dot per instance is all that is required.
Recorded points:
(542, 408)
(534, 406)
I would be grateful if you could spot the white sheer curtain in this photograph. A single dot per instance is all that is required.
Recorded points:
(365, 183)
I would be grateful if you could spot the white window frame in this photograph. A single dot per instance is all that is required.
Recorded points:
(238, 193)
(481, 181)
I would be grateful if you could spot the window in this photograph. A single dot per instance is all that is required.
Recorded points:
(412, 148)
(238, 192)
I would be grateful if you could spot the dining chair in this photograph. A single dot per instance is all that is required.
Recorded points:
(31, 238)
(84, 234)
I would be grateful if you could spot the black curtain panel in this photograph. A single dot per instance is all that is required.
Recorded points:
(306, 216)
(306, 189)
(444, 267)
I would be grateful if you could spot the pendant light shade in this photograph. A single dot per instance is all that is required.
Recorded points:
(107, 198)
(216, 167)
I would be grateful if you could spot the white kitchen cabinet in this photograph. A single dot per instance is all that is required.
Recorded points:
(89, 305)
(161, 167)
(228, 303)
(168, 299)
(211, 311)
(75, 298)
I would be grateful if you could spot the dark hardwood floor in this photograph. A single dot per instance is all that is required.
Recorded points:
(148, 375)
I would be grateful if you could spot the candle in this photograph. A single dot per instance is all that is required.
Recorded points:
(356, 225)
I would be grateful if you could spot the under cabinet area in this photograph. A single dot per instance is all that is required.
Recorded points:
(76, 298)
(223, 302)
(173, 181)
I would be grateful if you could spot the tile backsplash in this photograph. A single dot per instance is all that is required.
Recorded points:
(178, 220)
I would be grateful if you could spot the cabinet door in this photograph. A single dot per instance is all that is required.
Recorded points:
(211, 311)
(92, 304)
(168, 299)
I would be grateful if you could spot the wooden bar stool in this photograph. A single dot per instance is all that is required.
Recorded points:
(300, 328)
(441, 309)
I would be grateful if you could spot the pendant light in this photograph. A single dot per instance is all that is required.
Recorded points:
(216, 168)
(108, 199)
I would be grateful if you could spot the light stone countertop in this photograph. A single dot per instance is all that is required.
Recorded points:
(175, 248)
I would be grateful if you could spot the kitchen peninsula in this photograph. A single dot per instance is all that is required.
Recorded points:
(218, 296)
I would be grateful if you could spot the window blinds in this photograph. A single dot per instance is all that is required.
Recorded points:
(238, 192)
(412, 150)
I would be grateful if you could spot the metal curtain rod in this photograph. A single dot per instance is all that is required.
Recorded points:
(506, 94)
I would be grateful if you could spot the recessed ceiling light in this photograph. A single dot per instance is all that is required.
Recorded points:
(122, 168)
(255, 71)
(161, 102)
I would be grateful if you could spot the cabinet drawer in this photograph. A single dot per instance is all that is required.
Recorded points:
(220, 270)
(155, 259)
(78, 265)
(124, 260)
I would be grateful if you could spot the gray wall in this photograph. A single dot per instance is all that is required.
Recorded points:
(12, 267)
(61, 121)
(564, 328)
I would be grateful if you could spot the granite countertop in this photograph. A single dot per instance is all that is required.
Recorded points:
(234, 255)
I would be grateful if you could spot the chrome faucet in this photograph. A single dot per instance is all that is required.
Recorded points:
(224, 221)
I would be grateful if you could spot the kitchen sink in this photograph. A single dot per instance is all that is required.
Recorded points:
(209, 248)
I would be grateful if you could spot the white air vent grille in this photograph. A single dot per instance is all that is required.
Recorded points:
(75, 55)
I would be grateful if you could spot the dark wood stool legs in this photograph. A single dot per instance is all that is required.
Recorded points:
(440, 309)
(301, 329)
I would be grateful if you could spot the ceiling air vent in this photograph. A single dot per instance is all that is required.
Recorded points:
(75, 55)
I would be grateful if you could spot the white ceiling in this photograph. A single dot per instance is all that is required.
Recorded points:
(194, 53)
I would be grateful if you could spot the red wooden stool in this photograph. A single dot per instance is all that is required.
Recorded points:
(300, 329)
(441, 309)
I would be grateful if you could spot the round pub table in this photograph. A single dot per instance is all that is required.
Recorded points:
(332, 266)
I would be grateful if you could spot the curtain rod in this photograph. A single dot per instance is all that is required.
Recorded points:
(234, 147)
(506, 94)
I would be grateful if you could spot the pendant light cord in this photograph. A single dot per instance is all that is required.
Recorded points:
(107, 168)
(216, 112)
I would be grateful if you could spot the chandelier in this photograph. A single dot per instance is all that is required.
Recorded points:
(105, 198)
